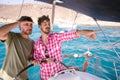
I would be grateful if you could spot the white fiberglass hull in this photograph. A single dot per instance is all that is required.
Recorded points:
(75, 75)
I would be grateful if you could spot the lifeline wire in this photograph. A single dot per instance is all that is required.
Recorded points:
(106, 37)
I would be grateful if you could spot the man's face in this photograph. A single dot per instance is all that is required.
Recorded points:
(45, 26)
(26, 27)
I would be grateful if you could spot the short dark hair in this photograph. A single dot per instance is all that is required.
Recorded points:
(25, 18)
(42, 18)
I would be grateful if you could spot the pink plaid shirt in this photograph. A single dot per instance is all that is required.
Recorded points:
(54, 50)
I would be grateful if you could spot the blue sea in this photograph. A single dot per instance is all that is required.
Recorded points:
(106, 50)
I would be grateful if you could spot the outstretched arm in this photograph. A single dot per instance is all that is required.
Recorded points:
(4, 30)
(90, 34)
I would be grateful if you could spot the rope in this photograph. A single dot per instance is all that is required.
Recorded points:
(22, 70)
(21, 9)
(75, 19)
(115, 70)
(116, 43)
(112, 48)
(106, 37)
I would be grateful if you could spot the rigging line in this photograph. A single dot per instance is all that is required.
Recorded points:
(115, 70)
(70, 61)
(101, 29)
(75, 19)
(72, 28)
(116, 43)
(21, 9)
(106, 37)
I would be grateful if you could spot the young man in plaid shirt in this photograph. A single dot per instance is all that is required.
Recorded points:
(47, 50)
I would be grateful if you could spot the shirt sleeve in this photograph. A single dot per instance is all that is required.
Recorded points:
(36, 52)
(10, 37)
(31, 56)
(67, 36)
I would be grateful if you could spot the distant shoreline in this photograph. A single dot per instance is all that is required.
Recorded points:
(63, 16)
(60, 26)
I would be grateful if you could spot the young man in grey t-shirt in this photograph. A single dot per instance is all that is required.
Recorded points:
(19, 48)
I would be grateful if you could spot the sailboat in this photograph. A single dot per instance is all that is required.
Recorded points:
(99, 10)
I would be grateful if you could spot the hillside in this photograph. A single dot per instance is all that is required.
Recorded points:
(63, 16)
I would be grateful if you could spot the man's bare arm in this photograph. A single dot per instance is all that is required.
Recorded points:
(4, 30)
(91, 34)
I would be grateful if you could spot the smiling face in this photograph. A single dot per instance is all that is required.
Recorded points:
(26, 27)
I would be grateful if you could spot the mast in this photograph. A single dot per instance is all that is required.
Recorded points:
(53, 9)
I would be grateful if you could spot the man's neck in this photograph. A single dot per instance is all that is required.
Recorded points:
(24, 36)
(44, 38)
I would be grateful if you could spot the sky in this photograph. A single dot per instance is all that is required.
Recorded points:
(18, 1)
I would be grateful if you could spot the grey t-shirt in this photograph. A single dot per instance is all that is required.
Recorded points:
(18, 50)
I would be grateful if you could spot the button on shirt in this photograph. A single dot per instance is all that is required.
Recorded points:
(54, 51)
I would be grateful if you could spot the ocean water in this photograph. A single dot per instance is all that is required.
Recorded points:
(106, 50)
